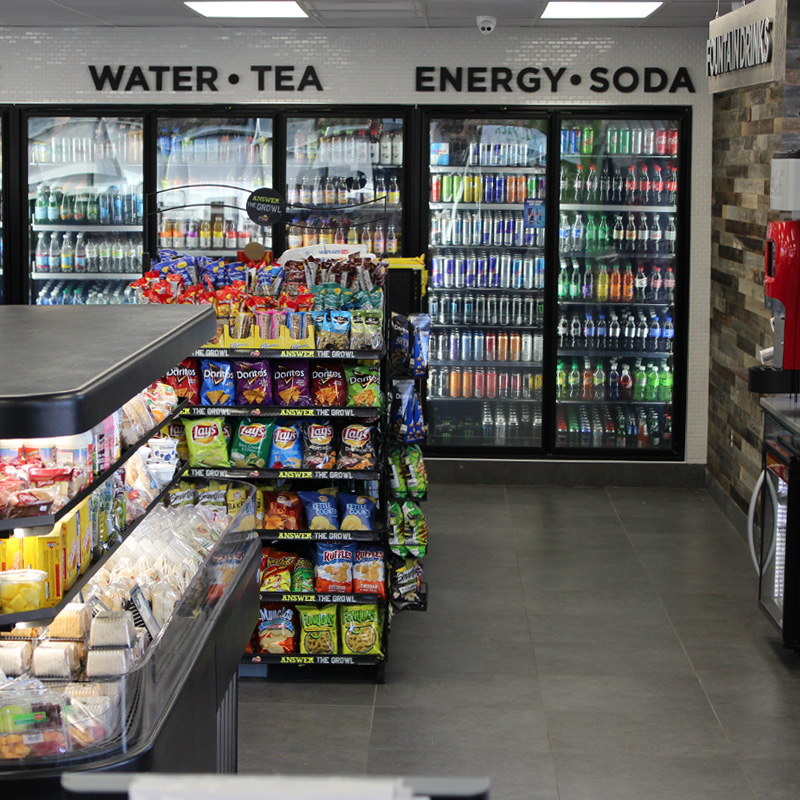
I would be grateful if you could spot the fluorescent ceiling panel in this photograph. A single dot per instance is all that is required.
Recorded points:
(600, 9)
(247, 9)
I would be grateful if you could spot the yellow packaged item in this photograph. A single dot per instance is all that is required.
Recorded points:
(318, 632)
(22, 590)
(72, 547)
(361, 630)
(84, 521)
(14, 555)
(46, 553)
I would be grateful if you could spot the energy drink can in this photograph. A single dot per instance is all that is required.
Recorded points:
(480, 310)
(457, 229)
(516, 384)
(436, 230)
(446, 224)
(447, 188)
(529, 237)
(516, 310)
(488, 188)
(466, 382)
(496, 158)
(469, 309)
(519, 229)
(482, 272)
(504, 311)
(477, 229)
(491, 382)
(512, 159)
(529, 312)
(517, 272)
(528, 273)
(503, 383)
(454, 346)
(508, 230)
(459, 269)
(469, 187)
(500, 189)
(479, 382)
(449, 271)
(526, 347)
(458, 188)
(471, 271)
(565, 140)
(492, 317)
(433, 305)
(457, 309)
(478, 345)
(538, 280)
(444, 309)
(436, 188)
(514, 347)
(437, 273)
(485, 154)
(487, 225)
(442, 347)
(466, 346)
(493, 271)
(491, 346)
(499, 228)
(455, 382)
(472, 153)
(505, 271)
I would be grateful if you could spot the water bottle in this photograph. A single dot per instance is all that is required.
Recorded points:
(41, 253)
(54, 255)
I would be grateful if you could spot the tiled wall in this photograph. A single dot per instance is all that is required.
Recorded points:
(51, 66)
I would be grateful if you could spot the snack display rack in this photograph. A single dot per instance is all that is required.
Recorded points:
(168, 689)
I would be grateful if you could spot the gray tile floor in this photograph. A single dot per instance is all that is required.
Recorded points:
(581, 644)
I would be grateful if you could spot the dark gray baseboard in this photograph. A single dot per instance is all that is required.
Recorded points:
(735, 515)
(566, 473)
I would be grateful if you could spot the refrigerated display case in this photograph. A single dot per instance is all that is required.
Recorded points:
(345, 181)
(86, 207)
(207, 166)
(616, 287)
(486, 246)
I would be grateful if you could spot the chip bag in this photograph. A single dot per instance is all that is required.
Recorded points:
(286, 451)
(253, 383)
(321, 510)
(356, 512)
(290, 384)
(415, 529)
(282, 511)
(361, 630)
(369, 571)
(363, 385)
(357, 448)
(276, 570)
(334, 332)
(416, 474)
(407, 420)
(399, 343)
(277, 628)
(205, 440)
(327, 384)
(397, 529)
(303, 576)
(318, 446)
(251, 444)
(318, 631)
(218, 387)
(397, 477)
(333, 568)
(420, 343)
(184, 379)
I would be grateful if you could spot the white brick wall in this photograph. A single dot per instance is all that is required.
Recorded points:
(50, 66)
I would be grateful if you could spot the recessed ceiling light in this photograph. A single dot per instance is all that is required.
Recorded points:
(600, 9)
(247, 9)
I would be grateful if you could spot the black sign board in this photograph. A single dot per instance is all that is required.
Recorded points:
(265, 206)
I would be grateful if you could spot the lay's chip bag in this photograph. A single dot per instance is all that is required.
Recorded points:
(205, 440)
(286, 451)
(252, 442)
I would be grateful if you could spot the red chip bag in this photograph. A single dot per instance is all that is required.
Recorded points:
(282, 511)
(276, 571)
(327, 384)
(185, 380)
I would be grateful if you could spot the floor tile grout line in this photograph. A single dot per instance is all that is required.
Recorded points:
(682, 645)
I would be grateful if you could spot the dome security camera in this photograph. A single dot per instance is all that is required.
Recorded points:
(486, 24)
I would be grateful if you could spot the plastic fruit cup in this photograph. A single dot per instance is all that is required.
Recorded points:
(22, 590)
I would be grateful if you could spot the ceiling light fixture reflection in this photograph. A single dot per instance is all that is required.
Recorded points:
(247, 9)
(600, 9)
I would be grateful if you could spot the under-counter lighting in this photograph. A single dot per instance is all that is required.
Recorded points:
(247, 9)
(600, 9)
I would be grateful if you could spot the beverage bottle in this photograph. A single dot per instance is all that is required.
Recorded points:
(349, 148)
(133, 262)
(330, 192)
(629, 334)
(670, 235)
(591, 234)
(654, 335)
(294, 236)
(104, 208)
(54, 255)
(657, 185)
(587, 284)
(391, 240)
(352, 236)
(217, 234)
(615, 284)
(655, 234)
(640, 383)
(115, 205)
(587, 140)
(575, 282)
(587, 382)
(618, 233)
(613, 382)
(575, 333)
(643, 185)
(487, 423)
(574, 382)
(661, 139)
(118, 255)
(630, 186)
(603, 234)
(588, 332)
(562, 185)
(642, 333)
(614, 330)
(562, 330)
(394, 191)
(512, 430)
(242, 234)
(92, 264)
(577, 233)
(397, 148)
(605, 185)
(380, 189)
(666, 435)
(602, 284)
(617, 186)
(665, 385)
(500, 426)
(80, 254)
(630, 234)
(563, 281)
(92, 209)
(67, 254)
(40, 210)
(577, 185)
(339, 236)
(317, 192)
(65, 211)
(643, 234)
(642, 434)
(669, 285)
(601, 332)
(561, 381)
(366, 237)
(342, 192)
(627, 284)
(303, 194)
(79, 209)
(564, 234)
(41, 254)
(672, 186)
(655, 288)
(599, 382)
(378, 243)
(592, 185)
(667, 334)
(53, 213)
(651, 391)
(178, 234)
(165, 232)
(386, 148)
(104, 256)
(204, 236)
(230, 234)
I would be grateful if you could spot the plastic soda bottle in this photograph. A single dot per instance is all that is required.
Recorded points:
(599, 382)
(665, 385)
(574, 381)
(603, 284)
(640, 383)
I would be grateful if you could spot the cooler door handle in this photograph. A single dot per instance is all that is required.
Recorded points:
(769, 264)
(751, 517)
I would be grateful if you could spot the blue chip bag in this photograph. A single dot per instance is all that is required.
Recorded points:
(321, 511)
(287, 447)
(218, 387)
(356, 512)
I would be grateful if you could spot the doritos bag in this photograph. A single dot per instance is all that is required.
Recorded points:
(184, 379)
(363, 385)
(287, 447)
(399, 343)
(420, 343)
(217, 388)
(253, 383)
(290, 384)
(327, 384)
(206, 442)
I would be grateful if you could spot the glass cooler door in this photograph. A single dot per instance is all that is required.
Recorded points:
(86, 208)
(345, 182)
(207, 168)
(617, 275)
(486, 295)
